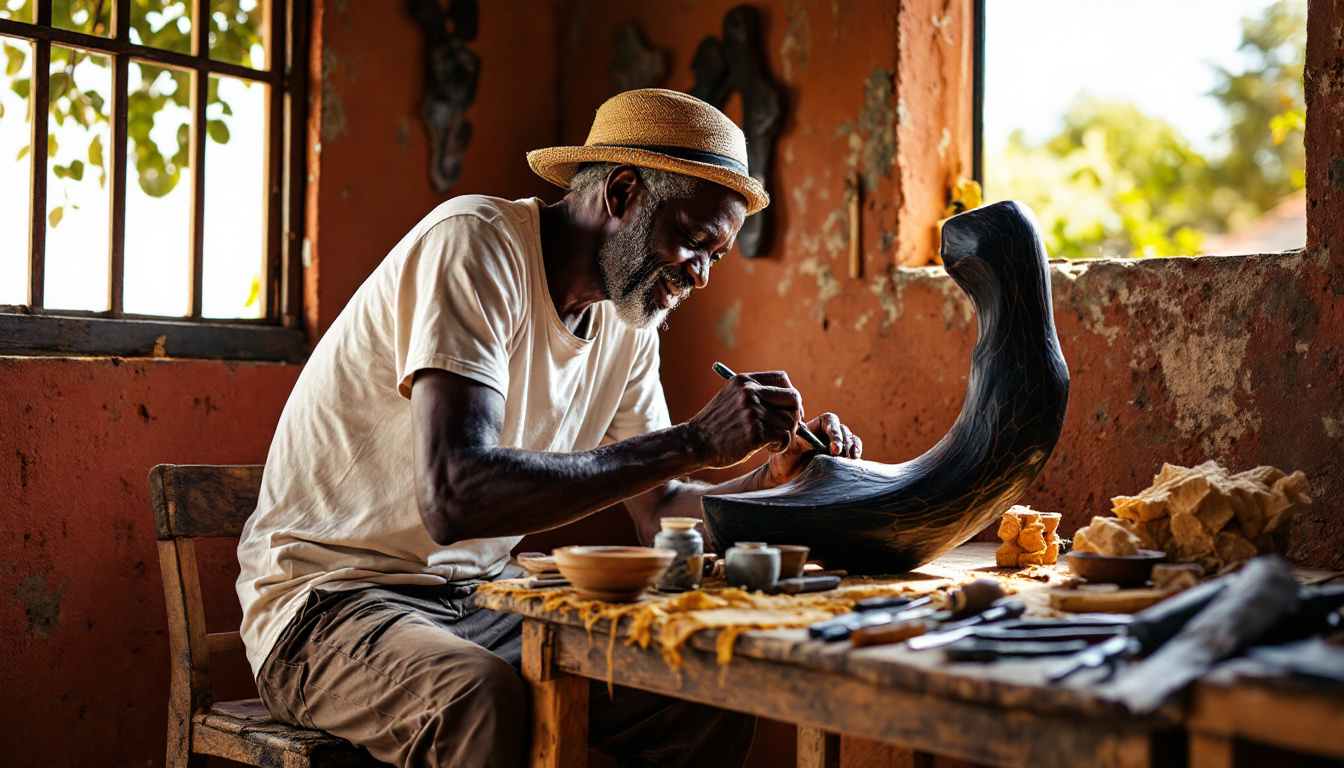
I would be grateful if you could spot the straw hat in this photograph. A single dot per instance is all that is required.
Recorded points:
(667, 130)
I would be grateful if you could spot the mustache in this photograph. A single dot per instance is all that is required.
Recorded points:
(677, 278)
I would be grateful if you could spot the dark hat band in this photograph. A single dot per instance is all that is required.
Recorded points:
(693, 155)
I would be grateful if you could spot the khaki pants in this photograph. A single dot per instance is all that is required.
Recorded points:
(423, 678)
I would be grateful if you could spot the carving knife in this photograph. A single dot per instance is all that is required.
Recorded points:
(726, 373)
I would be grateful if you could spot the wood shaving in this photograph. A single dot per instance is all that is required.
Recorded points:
(1209, 516)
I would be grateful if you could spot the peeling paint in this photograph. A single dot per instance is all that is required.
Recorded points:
(404, 134)
(1201, 372)
(955, 299)
(827, 286)
(889, 299)
(877, 119)
(333, 108)
(726, 329)
(41, 603)
(797, 44)
(1334, 428)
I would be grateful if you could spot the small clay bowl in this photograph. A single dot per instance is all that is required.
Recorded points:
(613, 574)
(792, 558)
(1121, 570)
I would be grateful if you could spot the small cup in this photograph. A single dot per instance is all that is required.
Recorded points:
(752, 565)
(792, 558)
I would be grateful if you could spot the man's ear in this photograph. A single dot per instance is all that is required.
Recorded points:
(623, 192)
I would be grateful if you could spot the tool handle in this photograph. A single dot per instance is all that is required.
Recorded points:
(727, 373)
(801, 584)
(886, 634)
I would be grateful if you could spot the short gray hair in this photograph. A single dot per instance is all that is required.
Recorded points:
(661, 185)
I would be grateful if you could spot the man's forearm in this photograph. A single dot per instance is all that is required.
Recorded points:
(486, 492)
(681, 498)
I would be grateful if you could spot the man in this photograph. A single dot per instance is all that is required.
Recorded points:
(523, 337)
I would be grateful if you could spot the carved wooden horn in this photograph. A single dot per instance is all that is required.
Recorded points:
(868, 517)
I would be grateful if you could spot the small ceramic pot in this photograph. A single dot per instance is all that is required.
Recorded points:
(679, 535)
(792, 558)
(752, 565)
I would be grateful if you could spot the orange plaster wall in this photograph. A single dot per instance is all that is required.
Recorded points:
(1176, 360)
(84, 668)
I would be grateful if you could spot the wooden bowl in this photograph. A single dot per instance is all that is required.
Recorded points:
(536, 563)
(792, 558)
(613, 574)
(1122, 570)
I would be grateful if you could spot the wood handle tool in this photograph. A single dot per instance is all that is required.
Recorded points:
(963, 602)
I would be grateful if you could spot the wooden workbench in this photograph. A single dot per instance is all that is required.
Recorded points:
(1002, 714)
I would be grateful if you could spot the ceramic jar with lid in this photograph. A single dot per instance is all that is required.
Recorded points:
(679, 535)
(753, 565)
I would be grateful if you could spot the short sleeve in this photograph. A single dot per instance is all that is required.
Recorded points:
(643, 407)
(460, 296)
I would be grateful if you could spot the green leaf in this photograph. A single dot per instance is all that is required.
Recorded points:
(58, 85)
(52, 146)
(96, 151)
(14, 58)
(21, 87)
(23, 151)
(55, 216)
(77, 170)
(218, 131)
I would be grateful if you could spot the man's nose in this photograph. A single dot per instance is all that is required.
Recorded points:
(698, 269)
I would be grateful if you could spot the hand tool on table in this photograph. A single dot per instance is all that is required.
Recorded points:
(1002, 609)
(963, 602)
(726, 373)
(1045, 630)
(879, 609)
(802, 584)
(979, 649)
(548, 583)
(1101, 656)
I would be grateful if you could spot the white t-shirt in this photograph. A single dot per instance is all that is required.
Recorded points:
(464, 292)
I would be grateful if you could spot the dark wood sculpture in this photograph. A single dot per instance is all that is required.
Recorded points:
(452, 72)
(737, 64)
(873, 518)
(634, 64)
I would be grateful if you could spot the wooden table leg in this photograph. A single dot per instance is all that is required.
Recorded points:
(818, 748)
(559, 704)
(1211, 751)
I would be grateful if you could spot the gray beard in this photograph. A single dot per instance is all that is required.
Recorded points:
(630, 273)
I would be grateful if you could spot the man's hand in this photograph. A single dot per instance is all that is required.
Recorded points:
(752, 411)
(762, 410)
(785, 465)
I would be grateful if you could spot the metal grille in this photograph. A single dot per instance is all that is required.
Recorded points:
(22, 329)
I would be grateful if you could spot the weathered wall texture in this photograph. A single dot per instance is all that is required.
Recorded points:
(84, 672)
(1175, 360)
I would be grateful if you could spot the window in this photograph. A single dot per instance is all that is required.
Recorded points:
(1147, 128)
(151, 177)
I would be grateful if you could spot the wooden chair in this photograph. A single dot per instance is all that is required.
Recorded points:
(200, 502)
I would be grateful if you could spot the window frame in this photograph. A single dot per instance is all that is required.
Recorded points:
(277, 335)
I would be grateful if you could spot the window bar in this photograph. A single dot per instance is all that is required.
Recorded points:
(200, 91)
(275, 157)
(978, 94)
(295, 72)
(39, 100)
(121, 64)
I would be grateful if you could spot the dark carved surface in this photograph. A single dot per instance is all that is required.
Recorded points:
(634, 64)
(885, 518)
(452, 71)
(735, 64)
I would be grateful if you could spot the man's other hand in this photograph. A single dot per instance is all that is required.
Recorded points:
(762, 410)
(785, 465)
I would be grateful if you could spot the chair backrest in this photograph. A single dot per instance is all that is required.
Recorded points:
(195, 502)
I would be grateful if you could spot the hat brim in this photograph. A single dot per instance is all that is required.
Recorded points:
(559, 164)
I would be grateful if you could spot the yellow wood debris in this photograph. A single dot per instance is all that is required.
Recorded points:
(1028, 538)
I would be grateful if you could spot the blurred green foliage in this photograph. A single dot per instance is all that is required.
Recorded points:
(236, 26)
(1117, 182)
